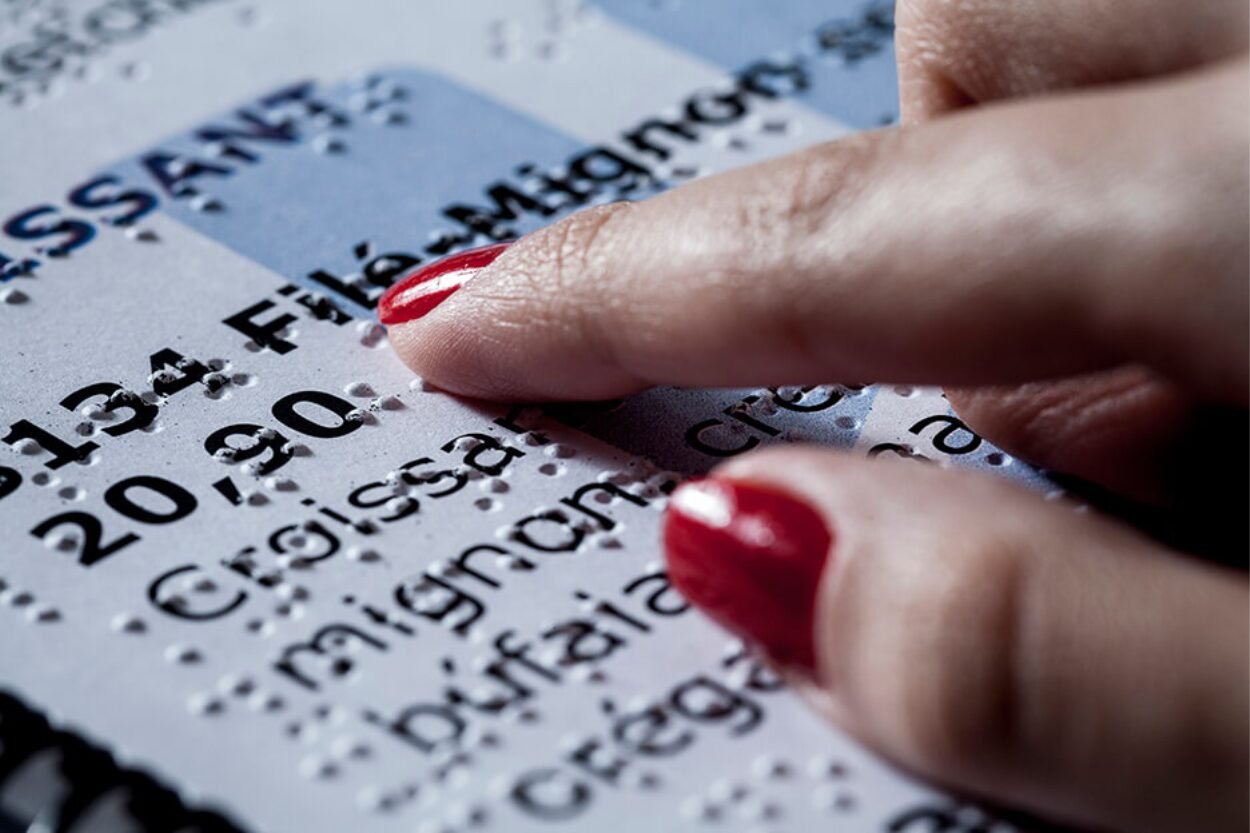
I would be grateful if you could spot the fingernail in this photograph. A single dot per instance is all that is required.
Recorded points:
(426, 288)
(751, 558)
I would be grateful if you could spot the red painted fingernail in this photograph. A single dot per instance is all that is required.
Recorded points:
(751, 558)
(426, 288)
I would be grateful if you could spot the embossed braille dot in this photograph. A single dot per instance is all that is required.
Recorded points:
(27, 446)
(512, 562)
(263, 701)
(825, 767)
(206, 204)
(389, 117)
(63, 541)
(206, 705)
(259, 627)
(141, 235)
(698, 808)
(461, 816)
(200, 584)
(372, 335)
(180, 654)
(373, 799)
(724, 790)
(291, 592)
(348, 747)
(235, 685)
(43, 614)
(128, 623)
(396, 505)
(362, 554)
(466, 443)
(767, 767)
(280, 483)
(317, 768)
(328, 144)
(646, 780)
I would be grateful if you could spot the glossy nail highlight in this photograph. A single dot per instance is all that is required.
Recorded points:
(426, 288)
(750, 557)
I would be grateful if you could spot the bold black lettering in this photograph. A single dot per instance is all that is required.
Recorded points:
(118, 497)
(610, 490)
(102, 192)
(639, 138)
(704, 700)
(507, 205)
(284, 410)
(425, 726)
(263, 333)
(10, 479)
(173, 172)
(253, 128)
(74, 233)
(696, 438)
(331, 642)
(550, 794)
(178, 604)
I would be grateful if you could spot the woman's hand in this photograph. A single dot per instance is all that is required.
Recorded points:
(1059, 231)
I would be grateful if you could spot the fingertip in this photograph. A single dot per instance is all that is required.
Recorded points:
(950, 633)
(527, 320)
(446, 332)
(437, 354)
(477, 344)
(750, 557)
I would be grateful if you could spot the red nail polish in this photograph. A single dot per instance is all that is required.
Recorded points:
(429, 286)
(751, 558)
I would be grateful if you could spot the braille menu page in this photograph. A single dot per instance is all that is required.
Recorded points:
(254, 575)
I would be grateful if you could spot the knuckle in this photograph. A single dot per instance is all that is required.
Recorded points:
(919, 25)
(816, 183)
(960, 711)
(814, 195)
(552, 267)
(940, 48)
(558, 276)
(580, 255)
(576, 247)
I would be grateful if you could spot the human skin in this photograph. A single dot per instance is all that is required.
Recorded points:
(1058, 234)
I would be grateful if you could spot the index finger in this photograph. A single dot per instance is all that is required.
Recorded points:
(1010, 243)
